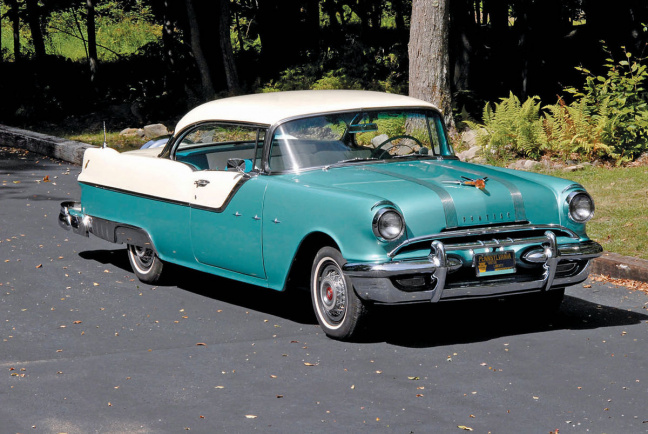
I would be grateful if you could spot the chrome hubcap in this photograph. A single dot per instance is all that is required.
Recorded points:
(143, 256)
(332, 294)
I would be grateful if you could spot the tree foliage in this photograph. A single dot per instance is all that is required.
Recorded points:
(528, 47)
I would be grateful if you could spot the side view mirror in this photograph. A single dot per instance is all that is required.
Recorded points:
(239, 164)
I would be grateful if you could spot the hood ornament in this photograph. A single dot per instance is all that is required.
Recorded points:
(478, 183)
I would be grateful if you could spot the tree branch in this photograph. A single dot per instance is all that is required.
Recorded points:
(84, 41)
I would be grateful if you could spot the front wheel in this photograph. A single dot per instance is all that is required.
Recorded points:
(339, 311)
(145, 263)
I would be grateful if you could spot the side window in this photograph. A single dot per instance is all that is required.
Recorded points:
(209, 146)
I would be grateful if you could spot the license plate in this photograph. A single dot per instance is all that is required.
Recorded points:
(492, 264)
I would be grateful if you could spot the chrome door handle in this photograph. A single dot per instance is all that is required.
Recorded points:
(201, 182)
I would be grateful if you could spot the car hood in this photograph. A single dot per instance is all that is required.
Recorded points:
(431, 196)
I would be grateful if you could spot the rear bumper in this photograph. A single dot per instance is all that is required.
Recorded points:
(557, 266)
(71, 217)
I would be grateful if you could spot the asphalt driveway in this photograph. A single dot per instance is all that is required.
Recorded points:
(85, 347)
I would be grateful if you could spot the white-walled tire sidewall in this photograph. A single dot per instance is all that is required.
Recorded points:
(355, 312)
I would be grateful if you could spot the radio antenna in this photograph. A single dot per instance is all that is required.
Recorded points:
(105, 145)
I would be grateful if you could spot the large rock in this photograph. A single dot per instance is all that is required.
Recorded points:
(469, 137)
(530, 164)
(470, 154)
(379, 140)
(130, 132)
(155, 130)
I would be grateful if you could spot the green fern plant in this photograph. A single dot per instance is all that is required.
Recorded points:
(511, 129)
(571, 133)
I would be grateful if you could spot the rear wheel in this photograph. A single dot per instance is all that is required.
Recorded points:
(340, 312)
(145, 263)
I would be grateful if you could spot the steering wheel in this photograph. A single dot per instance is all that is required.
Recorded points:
(375, 152)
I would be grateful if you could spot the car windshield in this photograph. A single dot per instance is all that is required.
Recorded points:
(353, 137)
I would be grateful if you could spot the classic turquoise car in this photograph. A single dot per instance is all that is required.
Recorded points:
(355, 195)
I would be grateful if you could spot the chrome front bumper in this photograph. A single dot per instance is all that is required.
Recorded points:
(71, 217)
(375, 282)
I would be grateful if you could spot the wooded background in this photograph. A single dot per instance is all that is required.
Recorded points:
(149, 60)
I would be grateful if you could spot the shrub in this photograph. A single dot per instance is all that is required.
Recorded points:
(617, 104)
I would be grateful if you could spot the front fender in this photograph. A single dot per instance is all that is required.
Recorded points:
(292, 211)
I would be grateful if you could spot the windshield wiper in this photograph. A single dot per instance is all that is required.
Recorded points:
(351, 160)
(417, 156)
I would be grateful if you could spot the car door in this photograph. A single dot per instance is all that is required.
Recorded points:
(226, 221)
(226, 204)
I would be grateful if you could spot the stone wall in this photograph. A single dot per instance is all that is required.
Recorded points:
(56, 147)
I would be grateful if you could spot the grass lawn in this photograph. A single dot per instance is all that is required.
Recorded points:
(113, 139)
(620, 222)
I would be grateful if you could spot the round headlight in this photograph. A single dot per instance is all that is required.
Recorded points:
(581, 207)
(388, 224)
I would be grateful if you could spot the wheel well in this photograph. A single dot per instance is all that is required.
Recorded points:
(300, 269)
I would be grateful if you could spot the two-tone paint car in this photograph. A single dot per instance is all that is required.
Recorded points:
(357, 196)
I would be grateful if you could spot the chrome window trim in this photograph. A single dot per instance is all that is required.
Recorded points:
(171, 146)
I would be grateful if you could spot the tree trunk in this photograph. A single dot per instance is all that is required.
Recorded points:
(15, 19)
(33, 19)
(208, 92)
(429, 59)
(168, 46)
(461, 30)
(498, 12)
(284, 31)
(231, 75)
(330, 8)
(93, 59)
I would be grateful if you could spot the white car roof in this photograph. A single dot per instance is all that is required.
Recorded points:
(270, 108)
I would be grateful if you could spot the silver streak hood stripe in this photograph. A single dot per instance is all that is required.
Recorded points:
(446, 199)
(516, 195)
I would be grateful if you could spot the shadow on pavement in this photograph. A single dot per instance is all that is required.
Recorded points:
(478, 321)
(415, 326)
(291, 305)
